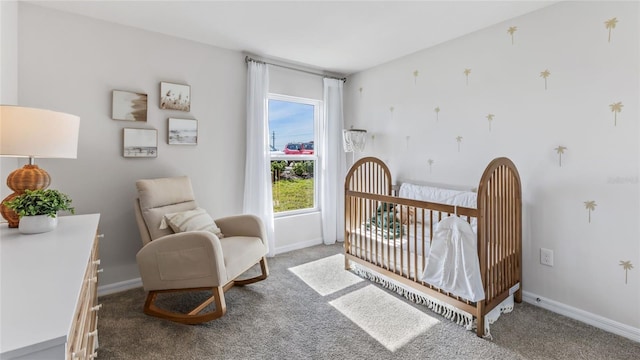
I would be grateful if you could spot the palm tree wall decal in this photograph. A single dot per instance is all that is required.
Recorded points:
(545, 74)
(415, 77)
(490, 119)
(560, 150)
(466, 74)
(610, 25)
(430, 162)
(626, 265)
(590, 206)
(511, 30)
(616, 108)
(459, 140)
(437, 110)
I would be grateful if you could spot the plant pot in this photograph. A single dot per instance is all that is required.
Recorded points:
(37, 224)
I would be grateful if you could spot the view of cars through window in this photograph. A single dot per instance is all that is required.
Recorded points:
(299, 148)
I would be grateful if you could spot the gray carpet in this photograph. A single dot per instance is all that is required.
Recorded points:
(286, 317)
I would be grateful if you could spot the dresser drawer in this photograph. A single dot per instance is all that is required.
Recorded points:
(83, 337)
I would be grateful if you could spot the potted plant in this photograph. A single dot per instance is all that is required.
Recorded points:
(38, 209)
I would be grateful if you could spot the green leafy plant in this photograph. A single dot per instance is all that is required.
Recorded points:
(40, 202)
(277, 167)
(303, 167)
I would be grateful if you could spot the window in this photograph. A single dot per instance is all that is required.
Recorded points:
(292, 128)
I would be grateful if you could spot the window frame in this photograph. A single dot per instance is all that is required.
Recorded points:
(317, 116)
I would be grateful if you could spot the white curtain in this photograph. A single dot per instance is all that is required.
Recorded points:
(257, 183)
(332, 163)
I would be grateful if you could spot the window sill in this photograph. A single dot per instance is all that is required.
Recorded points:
(292, 213)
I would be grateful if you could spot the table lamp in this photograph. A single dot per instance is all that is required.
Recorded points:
(31, 133)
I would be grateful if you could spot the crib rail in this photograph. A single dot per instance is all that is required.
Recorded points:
(396, 238)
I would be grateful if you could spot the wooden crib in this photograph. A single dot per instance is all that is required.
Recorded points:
(397, 252)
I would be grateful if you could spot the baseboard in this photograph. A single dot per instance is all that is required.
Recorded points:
(586, 317)
(119, 286)
(297, 246)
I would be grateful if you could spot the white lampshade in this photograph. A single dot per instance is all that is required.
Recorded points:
(354, 140)
(29, 132)
(34, 133)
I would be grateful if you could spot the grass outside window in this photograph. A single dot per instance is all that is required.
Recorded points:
(293, 185)
(295, 194)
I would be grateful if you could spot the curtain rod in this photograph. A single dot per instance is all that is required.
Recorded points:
(248, 58)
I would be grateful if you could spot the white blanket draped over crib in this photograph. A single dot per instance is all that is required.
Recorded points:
(452, 264)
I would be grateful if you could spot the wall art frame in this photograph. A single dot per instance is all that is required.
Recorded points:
(182, 131)
(175, 96)
(128, 106)
(139, 143)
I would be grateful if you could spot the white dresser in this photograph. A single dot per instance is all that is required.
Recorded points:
(48, 287)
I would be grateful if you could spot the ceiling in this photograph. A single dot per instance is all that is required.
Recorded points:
(341, 37)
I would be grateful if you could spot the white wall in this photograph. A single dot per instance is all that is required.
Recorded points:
(289, 82)
(8, 52)
(72, 63)
(8, 75)
(588, 73)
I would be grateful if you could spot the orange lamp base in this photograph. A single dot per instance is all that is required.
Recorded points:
(29, 177)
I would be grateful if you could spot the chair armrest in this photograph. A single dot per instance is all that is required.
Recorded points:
(243, 225)
(181, 261)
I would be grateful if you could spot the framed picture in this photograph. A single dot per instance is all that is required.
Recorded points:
(130, 106)
(175, 96)
(183, 131)
(140, 143)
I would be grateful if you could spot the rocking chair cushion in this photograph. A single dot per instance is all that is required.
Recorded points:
(155, 193)
(192, 220)
(157, 197)
(239, 252)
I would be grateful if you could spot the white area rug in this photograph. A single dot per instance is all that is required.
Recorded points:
(389, 320)
(326, 275)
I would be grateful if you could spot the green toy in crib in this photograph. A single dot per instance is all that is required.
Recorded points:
(385, 221)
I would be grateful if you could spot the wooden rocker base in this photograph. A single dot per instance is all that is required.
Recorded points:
(196, 316)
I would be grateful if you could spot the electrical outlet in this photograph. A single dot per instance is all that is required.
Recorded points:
(546, 257)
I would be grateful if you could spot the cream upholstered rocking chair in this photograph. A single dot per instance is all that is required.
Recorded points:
(174, 257)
